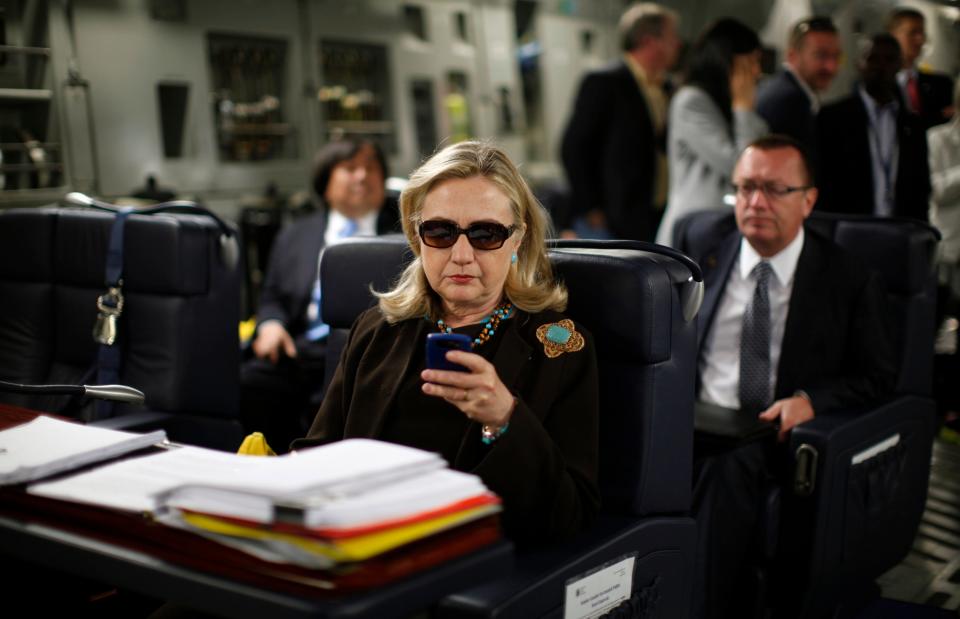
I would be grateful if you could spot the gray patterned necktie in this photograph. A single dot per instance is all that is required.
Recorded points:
(755, 392)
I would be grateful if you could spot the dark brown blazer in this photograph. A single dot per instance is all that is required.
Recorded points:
(545, 466)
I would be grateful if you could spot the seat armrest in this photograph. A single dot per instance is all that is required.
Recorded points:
(858, 434)
(859, 490)
(663, 570)
(843, 431)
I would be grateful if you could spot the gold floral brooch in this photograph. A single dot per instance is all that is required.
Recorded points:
(559, 337)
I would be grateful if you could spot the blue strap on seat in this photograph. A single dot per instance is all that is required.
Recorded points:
(110, 304)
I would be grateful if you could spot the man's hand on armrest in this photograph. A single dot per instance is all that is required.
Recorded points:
(272, 339)
(790, 411)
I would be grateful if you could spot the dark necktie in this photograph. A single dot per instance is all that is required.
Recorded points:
(913, 94)
(755, 345)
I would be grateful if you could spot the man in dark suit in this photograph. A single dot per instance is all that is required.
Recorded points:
(873, 151)
(280, 384)
(789, 101)
(927, 94)
(790, 328)
(614, 148)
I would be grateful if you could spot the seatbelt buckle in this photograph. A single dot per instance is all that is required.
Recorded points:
(109, 306)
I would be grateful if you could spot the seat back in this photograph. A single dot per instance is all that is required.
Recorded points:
(259, 227)
(630, 297)
(178, 328)
(864, 515)
(902, 251)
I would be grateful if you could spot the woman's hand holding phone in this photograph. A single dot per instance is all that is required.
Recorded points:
(476, 389)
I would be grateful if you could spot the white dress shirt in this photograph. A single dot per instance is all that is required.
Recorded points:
(338, 225)
(884, 151)
(720, 357)
(338, 229)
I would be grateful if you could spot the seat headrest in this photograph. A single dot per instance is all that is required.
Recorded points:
(611, 290)
(903, 255)
(614, 290)
(354, 267)
(901, 250)
(163, 254)
(684, 272)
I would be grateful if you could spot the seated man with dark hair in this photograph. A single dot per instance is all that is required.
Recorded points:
(791, 327)
(279, 384)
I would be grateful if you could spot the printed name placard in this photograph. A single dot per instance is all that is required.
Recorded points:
(596, 592)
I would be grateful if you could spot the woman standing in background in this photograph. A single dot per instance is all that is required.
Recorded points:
(712, 118)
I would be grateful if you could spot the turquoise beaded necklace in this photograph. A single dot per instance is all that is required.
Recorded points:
(490, 324)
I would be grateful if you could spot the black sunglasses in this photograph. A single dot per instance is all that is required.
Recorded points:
(484, 235)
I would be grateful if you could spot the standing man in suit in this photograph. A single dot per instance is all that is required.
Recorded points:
(279, 385)
(873, 151)
(614, 147)
(791, 327)
(927, 94)
(790, 100)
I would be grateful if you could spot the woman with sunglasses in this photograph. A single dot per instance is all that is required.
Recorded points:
(523, 416)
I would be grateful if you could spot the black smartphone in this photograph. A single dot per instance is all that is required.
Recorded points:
(437, 346)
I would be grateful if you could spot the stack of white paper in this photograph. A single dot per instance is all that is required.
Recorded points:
(46, 446)
(341, 503)
(225, 483)
(401, 498)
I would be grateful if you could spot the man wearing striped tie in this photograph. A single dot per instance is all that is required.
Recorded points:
(280, 384)
(790, 327)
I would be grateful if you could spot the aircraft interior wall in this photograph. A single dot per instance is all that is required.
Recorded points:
(219, 99)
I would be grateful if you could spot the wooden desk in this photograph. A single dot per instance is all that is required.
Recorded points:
(11, 415)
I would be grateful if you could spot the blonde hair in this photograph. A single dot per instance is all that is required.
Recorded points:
(530, 284)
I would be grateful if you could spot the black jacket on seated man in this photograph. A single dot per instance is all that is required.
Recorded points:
(834, 345)
(275, 396)
(292, 271)
(281, 386)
